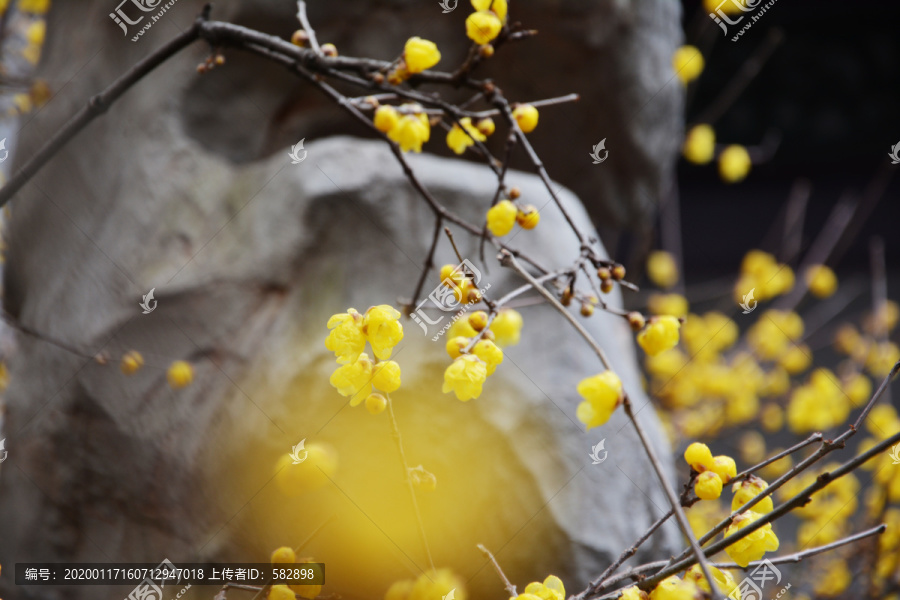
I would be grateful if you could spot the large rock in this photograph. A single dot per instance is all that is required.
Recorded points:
(248, 261)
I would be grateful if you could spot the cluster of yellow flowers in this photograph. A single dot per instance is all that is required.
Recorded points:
(868, 349)
(693, 586)
(356, 376)
(713, 472)
(408, 126)
(505, 214)
(551, 588)
(700, 148)
(429, 586)
(286, 556)
(471, 366)
(179, 374)
(460, 138)
(763, 274)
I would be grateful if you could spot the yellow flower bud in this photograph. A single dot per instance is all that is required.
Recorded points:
(688, 63)
(501, 217)
(700, 144)
(526, 116)
(180, 374)
(483, 26)
(386, 118)
(420, 54)
(132, 361)
(283, 556)
(376, 403)
(734, 163)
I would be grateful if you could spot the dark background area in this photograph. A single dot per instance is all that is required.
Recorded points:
(832, 90)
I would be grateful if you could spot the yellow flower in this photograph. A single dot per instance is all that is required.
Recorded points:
(313, 472)
(728, 8)
(382, 328)
(488, 351)
(734, 163)
(821, 280)
(836, 578)
(346, 338)
(486, 126)
(858, 388)
(483, 26)
(37, 7)
(460, 138)
(387, 376)
(526, 116)
(660, 334)
(746, 490)
(796, 359)
(420, 54)
(501, 217)
(35, 33)
(708, 486)
(283, 556)
(498, 7)
(386, 118)
(455, 345)
(180, 374)
(309, 591)
(528, 217)
(700, 144)
(661, 269)
(753, 546)
(723, 579)
(688, 63)
(724, 467)
(772, 418)
(354, 380)
(411, 131)
(882, 358)
(602, 394)
(818, 405)
(132, 361)
(674, 305)
(465, 376)
(375, 403)
(436, 584)
(673, 588)
(771, 335)
(551, 589)
(699, 457)
(400, 590)
(280, 592)
(633, 593)
(752, 447)
(507, 327)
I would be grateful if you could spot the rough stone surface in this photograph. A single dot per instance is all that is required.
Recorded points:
(248, 258)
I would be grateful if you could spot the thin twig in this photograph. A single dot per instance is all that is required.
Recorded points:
(96, 106)
(510, 588)
(304, 22)
(507, 259)
(429, 263)
(673, 499)
(395, 430)
(636, 572)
